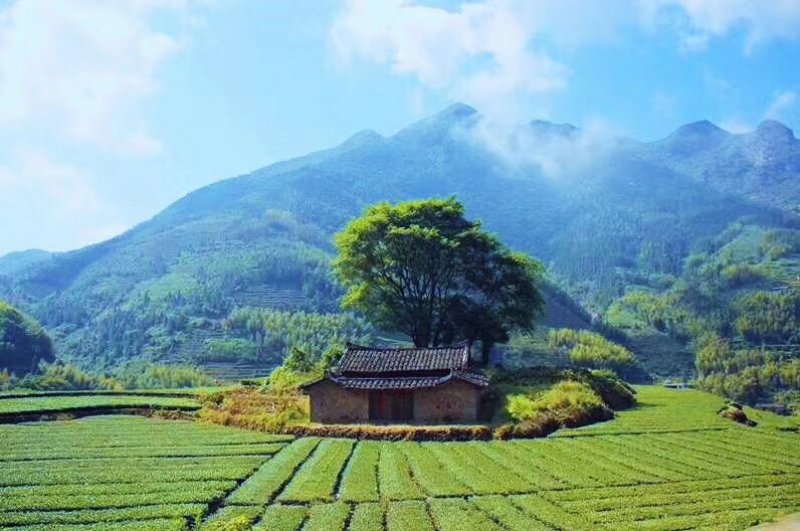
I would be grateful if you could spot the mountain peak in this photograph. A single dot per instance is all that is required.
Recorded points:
(696, 135)
(441, 123)
(700, 128)
(549, 128)
(456, 111)
(774, 130)
(362, 138)
(16, 261)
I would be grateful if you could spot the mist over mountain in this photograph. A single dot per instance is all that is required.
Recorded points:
(601, 212)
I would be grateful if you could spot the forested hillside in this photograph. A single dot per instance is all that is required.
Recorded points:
(762, 166)
(637, 217)
(23, 342)
(736, 304)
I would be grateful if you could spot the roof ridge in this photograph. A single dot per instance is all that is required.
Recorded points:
(359, 358)
(403, 382)
(455, 346)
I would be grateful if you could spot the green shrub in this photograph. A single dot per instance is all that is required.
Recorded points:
(526, 399)
(541, 426)
(285, 379)
(135, 375)
(589, 349)
(7, 380)
(299, 360)
(735, 412)
(614, 392)
(569, 403)
(790, 400)
(255, 408)
(144, 375)
(57, 377)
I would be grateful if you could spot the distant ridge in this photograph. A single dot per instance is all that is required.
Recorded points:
(549, 128)
(774, 131)
(17, 261)
(638, 211)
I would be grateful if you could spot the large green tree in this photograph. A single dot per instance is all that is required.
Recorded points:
(23, 342)
(423, 269)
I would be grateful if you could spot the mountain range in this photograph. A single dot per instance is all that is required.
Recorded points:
(600, 211)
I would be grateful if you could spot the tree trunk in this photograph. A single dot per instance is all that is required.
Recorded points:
(486, 350)
(420, 339)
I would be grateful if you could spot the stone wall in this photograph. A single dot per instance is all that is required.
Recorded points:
(453, 402)
(332, 404)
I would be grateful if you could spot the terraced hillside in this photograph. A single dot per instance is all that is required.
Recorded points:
(669, 464)
(194, 345)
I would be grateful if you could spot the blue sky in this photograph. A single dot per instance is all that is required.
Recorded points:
(111, 110)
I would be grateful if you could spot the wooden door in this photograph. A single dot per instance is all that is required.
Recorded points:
(403, 406)
(391, 406)
(378, 406)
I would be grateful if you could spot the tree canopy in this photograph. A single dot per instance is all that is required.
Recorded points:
(423, 269)
(23, 342)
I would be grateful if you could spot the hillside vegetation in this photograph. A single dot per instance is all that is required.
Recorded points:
(23, 342)
(637, 217)
(737, 305)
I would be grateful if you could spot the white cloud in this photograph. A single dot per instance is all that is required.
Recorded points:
(781, 108)
(481, 53)
(496, 55)
(556, 155)
(699, 21)
(65, 187)
(736, 125)
(76, 79)
(781, 105)
(84, 69)
(506, 56)
(47, 193)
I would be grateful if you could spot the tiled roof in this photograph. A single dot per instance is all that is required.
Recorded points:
(402, 368)
(359, 359)
(410, 382)
(473, 377)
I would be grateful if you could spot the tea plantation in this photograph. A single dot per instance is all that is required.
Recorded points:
(671, 463)
(65, 404)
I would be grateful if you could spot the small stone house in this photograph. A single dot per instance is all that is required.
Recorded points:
(398, 385)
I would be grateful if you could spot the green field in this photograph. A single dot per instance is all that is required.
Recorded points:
(671, 463)
(168, 392)
(63, 404)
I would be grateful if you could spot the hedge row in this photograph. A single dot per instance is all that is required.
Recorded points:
(393, 433)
